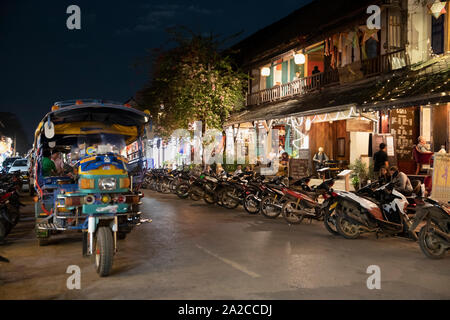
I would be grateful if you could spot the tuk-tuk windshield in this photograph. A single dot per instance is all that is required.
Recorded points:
(100, 144)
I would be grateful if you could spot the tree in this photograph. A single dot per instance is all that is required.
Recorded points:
(193, 81)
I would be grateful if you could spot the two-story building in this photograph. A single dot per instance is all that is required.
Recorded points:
(326, 76)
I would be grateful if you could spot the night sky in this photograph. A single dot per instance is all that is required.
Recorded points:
(43, 62)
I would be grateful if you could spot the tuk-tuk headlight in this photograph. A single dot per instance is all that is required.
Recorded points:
(107, 184)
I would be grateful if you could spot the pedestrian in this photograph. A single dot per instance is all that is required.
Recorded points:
(380, 158)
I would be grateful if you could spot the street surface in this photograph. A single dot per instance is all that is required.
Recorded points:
(195, 251)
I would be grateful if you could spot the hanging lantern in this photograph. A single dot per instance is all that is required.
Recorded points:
(437, 8)
(299, 58)
(265, 72)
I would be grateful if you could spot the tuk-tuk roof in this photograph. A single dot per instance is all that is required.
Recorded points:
(74, 117)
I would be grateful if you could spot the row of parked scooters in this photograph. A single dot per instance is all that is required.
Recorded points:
(377, 208)
(10, 185)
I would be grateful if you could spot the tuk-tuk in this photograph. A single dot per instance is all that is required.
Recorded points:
(94, 190)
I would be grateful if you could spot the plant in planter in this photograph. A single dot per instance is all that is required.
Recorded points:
(360, 174)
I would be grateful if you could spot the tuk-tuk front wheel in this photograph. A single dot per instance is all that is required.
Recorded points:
(104, 251)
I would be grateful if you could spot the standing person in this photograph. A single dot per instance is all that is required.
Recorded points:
(47, 165)
(315, 70)
(380, 158)
(56, 158)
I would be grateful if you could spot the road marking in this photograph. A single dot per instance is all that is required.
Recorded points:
(231, 263)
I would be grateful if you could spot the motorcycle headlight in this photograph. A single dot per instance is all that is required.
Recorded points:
(107, 184)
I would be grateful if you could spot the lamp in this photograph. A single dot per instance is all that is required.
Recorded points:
(437, 8)
(299, 58)
(265, 72)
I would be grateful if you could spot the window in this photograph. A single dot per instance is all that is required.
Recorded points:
(394, 32)
(437, 34)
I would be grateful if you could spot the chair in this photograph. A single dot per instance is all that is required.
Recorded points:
(421, 158)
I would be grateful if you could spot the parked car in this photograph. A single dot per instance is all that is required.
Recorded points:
(19, 165)
(22, 166)
(8, 163)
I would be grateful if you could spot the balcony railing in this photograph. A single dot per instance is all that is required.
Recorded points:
(294, 88)
(385, 63)
(370, 67)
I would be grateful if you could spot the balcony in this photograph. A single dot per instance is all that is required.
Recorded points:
(368, 68)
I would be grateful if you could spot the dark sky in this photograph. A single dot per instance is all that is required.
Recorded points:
(43, 62)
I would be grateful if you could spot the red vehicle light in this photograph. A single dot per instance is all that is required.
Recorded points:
(334, 194)
(121, 199)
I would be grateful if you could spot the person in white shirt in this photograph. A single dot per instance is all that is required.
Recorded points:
(59, 164)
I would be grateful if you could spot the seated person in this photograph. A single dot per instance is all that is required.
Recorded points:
(401, 181)
(48, 166)
(238, 170)
(422, 154)
(59, 164)
(320, 158)
(384, 176)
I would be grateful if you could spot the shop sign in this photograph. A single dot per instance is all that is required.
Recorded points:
(359, 125)
(441, 177)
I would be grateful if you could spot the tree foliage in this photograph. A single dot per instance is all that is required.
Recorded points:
(193, 81)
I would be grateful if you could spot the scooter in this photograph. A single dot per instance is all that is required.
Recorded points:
(381, 211)
(434, 235)
(304, 203)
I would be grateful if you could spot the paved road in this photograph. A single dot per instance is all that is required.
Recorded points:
(195, 251)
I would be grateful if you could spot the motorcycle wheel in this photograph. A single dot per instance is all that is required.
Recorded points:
(346, 228)
(182, 191)
(3, 231)
(103, 251)
(291, 212)
(195, 194)
(429, 245)
(209, 198)
(173, 186)
(268, 209)
(228, 201)
(330, 223)
(251, 205)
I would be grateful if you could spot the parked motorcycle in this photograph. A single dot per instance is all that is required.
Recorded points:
(303, 202)
(434, 235)
(382, 211)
